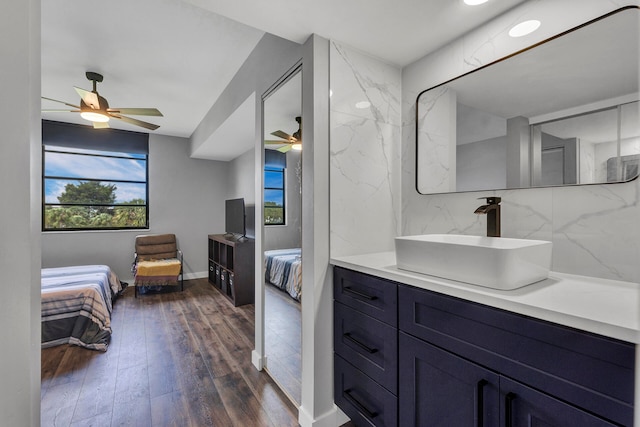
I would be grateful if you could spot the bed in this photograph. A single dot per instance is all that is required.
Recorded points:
(76, 305)
(283, 269)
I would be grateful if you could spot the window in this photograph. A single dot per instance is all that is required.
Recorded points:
(274, 212)
(86, 185)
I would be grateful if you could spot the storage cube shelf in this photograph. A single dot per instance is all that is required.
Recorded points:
(231, 267)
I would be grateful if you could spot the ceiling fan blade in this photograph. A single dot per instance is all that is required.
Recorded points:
(276, 142)
(100, 125)
(136, 122)
(281, 134)
(61, 102)
(284, 149)
(136, 111)
(49, 110)
(89, 98)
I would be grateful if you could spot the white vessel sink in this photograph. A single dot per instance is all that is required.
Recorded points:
(493, 262)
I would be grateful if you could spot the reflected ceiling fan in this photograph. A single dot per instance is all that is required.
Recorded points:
(292, 141)
(95, 108)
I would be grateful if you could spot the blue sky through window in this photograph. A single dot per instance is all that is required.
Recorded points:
(274, 179)
(65, 165)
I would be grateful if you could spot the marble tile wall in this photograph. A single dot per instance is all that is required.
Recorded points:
(365, 154)
(595, 229)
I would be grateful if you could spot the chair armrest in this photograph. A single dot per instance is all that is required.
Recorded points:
(135, 261)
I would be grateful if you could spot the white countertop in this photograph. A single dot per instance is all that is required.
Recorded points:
(606, 307)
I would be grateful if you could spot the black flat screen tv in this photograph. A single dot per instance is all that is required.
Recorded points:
(234, 217)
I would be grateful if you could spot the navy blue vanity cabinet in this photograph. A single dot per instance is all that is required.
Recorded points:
(412, 357)
(549, 374)
(366, 348)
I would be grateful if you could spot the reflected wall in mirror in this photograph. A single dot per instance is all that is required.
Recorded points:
(282, 231)
(562, 112)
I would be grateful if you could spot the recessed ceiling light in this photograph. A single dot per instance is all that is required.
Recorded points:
(363, 104)
(475, 2)
(524, 28)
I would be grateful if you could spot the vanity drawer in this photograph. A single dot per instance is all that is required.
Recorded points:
(587, 370)
(366, 402)
(371, 295)
(367, 343)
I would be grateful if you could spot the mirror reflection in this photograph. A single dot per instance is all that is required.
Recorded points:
(282, 231)
(564, 112)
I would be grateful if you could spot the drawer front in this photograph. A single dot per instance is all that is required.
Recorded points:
(367, 343)
(366, 402)
(587, 370)
(371, 295)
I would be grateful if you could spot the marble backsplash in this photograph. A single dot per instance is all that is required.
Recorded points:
(595, 229)
(365, 152)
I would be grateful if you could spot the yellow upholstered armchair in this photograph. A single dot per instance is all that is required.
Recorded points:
(157, 262)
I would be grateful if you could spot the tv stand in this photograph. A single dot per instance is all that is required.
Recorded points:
(231, 267)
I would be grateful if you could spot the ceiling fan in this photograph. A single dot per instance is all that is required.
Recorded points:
(95, 108)
(292, 141)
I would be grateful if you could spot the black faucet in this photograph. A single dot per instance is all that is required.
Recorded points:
(492, 210)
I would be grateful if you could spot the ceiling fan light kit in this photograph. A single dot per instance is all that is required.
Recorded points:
(93, 116)
(95, 108)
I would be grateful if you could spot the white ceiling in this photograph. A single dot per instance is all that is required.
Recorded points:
(165, 54)
(178, 56)
(398, 32)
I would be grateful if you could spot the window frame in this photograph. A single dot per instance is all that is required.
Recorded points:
(281, 170)
(93, 153)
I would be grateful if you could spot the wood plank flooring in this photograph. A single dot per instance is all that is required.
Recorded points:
(175, 359)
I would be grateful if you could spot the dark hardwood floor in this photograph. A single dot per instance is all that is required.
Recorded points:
(175, 359)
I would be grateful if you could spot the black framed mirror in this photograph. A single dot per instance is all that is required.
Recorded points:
(564, 111)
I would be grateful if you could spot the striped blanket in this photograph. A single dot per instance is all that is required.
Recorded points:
(283, 269)
(77, 304)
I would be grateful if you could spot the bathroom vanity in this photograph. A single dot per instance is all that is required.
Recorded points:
(412, 349)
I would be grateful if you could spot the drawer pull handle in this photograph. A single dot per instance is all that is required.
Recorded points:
(360, 294)
(360, 343)
(368, 413)
(508, 408)
(480, 402)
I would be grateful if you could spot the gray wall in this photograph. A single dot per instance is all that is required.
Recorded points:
(481, 165)
(186, 197)
(20, 214)
(242, 178)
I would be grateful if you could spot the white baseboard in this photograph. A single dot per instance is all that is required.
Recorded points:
(333, 418)
(257, 361)
(196, 275)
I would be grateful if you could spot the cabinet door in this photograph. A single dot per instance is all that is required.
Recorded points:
(437, 388)
(525, 407)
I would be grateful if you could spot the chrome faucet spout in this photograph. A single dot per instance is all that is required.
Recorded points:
(492, 210)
